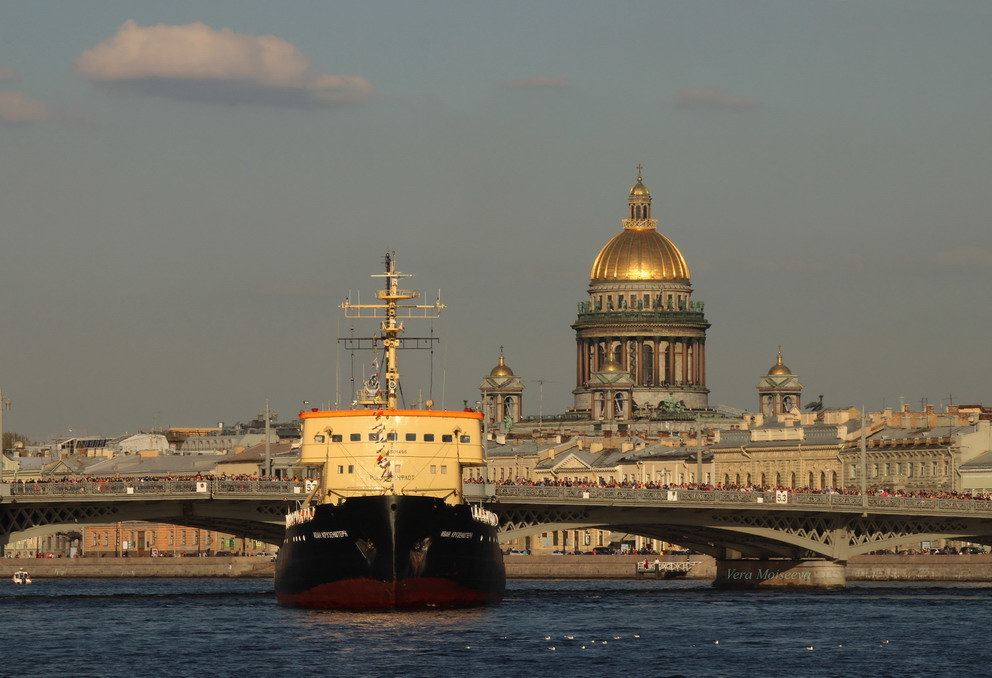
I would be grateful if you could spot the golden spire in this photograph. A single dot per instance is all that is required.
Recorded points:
(501, 370)
(778, 367)
(639, 189)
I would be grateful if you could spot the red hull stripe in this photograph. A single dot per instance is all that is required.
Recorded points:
(365, 594)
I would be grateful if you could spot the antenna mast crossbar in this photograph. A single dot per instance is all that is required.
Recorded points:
(389, 313)
(369, 343)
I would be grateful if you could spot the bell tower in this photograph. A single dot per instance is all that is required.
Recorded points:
(779, 391)
(502, 396)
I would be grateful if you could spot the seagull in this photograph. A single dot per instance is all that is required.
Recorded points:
(570, 637)
(552, 648)
(716, 642)
(637, 635)
(810, 647)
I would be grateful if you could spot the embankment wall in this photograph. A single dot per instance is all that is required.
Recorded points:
(860, 568)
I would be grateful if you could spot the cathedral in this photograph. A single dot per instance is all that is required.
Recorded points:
(640, 338)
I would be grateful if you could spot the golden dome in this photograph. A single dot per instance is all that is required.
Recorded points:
(501, 370)
(639, 188)
(640, 253)
(778, 367)
(611, 366)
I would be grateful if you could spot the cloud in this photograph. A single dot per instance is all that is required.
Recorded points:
(8, 74)
(713, 98)
(539, 82)
(198, 63)
(965, 256)
(18, 107)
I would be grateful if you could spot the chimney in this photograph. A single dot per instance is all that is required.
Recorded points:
(501, 439)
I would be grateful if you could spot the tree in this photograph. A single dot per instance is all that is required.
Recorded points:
(10, 439)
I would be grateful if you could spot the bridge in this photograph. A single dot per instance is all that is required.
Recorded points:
(758, 538)
(251, 508)
(778, 538)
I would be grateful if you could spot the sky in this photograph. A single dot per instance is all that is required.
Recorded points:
(188, 191)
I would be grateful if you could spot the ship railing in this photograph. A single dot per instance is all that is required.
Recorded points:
(259, 487)
(735, 497)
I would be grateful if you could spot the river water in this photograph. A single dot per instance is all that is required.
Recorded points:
(647, 628)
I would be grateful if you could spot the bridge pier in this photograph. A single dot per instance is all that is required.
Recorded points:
(779, 573)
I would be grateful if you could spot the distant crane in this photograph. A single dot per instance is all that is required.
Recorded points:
(540, 406)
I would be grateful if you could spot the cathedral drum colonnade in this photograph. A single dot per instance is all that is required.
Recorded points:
(640, 338)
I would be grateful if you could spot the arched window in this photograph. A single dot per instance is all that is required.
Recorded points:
(810, 483)
(833, 479)
(737, 479)
(778, 480)
(823, 480)
(509, 409)
(792, 482)
(619, 412)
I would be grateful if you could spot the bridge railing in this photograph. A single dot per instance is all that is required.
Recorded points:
(733, 497)
(91, 488)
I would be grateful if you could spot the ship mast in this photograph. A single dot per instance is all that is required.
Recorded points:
(391, 312)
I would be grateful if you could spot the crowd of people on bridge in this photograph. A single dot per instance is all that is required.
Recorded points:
(22, 486)
(25, 486)
(707, 487)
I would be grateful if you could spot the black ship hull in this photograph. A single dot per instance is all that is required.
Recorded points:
(383, 552)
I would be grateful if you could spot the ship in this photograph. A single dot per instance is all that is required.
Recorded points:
(386, 524)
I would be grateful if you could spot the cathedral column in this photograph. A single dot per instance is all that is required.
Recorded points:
(702, 363)
(670, 361)
(684, 372)
(654, 361)
(695, 361)
(579, 345)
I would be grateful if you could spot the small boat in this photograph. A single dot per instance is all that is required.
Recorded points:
(21, 577)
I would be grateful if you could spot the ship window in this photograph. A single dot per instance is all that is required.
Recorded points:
(465, 439)
(428, 437)
(318, 438)
(411, 436)
(351, 469)
(340, 469)
(391, 435)
(355, 437)
(373, 437)
(446, 438)
(444, 469)
(337, 438)
(433, 469)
